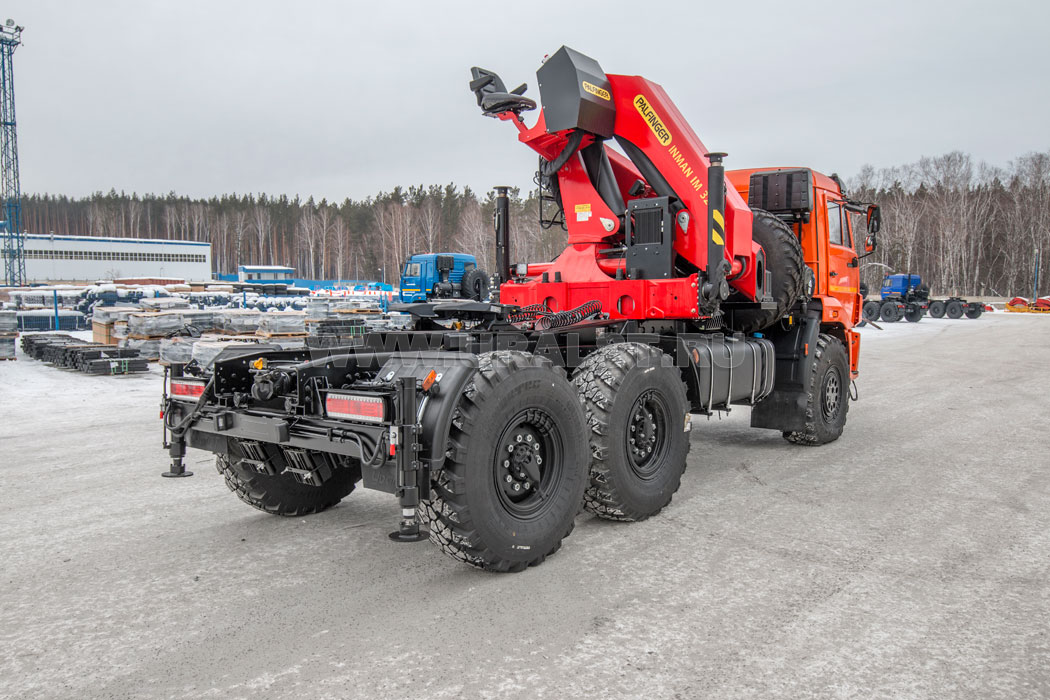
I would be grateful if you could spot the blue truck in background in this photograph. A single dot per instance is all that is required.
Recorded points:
(905, 296)
(427, 276)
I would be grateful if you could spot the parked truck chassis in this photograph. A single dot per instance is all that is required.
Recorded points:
(684, 289)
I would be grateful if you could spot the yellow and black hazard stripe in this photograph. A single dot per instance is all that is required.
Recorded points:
(718, 227)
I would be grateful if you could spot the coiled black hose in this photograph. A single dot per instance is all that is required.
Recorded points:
(562, 319)
(528, 313)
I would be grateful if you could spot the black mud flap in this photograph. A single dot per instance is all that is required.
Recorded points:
(785, 408)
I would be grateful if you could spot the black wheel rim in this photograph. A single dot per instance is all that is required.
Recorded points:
(529, 464)
(831, 394)
(646, 439)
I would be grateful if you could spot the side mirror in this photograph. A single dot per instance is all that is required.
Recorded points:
(874, 224)
(874, 218)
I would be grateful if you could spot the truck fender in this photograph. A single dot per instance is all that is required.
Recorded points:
(436, 408)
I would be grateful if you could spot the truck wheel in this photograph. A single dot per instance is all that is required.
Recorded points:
(784, 261)
(937, 309)
(889, 311)
(636, 407)
(974, 312)
(871, 311)
(515, 468)
(281, 494)
(827, 395)
(954, 310)
(914, 314)
(475, 285)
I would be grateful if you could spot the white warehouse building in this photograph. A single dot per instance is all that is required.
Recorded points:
(92, 258)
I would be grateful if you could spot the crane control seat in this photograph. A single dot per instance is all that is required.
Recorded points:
(493, 96)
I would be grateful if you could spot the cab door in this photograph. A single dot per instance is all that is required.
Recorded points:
(843, 267)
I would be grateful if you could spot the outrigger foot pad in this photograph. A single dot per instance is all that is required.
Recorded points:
(177, 469)
(417, 536)
(409, 531)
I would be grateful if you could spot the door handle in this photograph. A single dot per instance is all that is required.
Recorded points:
(833, 274)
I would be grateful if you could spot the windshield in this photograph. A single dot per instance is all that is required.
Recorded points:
(411, 270)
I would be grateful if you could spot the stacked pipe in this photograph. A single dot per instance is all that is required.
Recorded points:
(68, 352)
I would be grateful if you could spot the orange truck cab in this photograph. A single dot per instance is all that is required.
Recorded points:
(829, 227)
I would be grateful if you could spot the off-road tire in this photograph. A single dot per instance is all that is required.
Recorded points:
(954, 310)
(889, 312)
(282, 494)
(468, 513)
(914, 314)
(824, 426)
(974, 312)
(475, 285)
(871, 311)
(784, 260)
(937, 309)
(619, 385)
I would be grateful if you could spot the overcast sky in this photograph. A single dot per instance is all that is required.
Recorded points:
(337, 99)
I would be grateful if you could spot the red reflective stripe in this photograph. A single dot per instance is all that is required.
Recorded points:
(355, 407)
(186, 388)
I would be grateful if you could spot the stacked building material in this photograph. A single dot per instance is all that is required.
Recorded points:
(109, 324)
(282, 323)
(34, 344)
(203, 319)
(8, 334)
(357, 304)
(68, 352)
(147, 326)
(205, 350)
(164, 304)
(7, 346)
(335, 332)
(177, 350)
(148, 348)
(45, 320)
(240, 321)
(44, 297)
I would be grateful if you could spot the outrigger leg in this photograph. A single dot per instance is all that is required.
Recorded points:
(404, 446)
(177, 451)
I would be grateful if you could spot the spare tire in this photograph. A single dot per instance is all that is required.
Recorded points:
(785, 263)
(475, 285)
